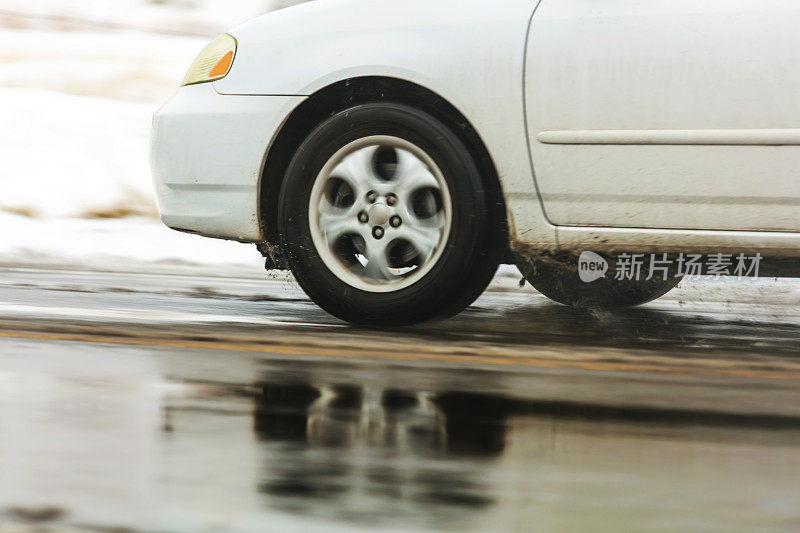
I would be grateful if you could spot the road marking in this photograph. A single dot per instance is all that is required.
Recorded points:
(147, 316)
(280, 349)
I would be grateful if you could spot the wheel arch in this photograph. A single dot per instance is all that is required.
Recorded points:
(362, 90)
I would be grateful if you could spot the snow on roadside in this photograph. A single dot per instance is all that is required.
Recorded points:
(73, 156)
(77, 110)
(123, 244)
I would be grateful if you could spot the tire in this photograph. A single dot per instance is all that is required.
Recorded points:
(557, 278)
(434, 264)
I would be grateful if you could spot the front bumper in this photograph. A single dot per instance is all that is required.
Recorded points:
(206, 153)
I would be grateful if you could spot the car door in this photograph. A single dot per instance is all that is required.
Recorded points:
(677, 114)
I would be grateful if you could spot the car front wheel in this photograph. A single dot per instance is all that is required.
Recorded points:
(384, 218)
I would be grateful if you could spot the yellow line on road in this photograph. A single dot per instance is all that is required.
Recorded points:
(281, 349)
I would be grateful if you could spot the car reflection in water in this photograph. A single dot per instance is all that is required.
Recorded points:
(371, 454)
(195, 445)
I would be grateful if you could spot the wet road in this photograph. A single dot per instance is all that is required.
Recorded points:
(133, 402)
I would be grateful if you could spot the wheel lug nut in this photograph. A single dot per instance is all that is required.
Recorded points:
(391, 199)
(372, 197)
(377, 232)
(363, 217)
(395, 221)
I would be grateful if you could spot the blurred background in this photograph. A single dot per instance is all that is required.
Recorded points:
(80, 81)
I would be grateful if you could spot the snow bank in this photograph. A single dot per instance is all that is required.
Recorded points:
(77, 110)
(66, 154)
(73, 156)
(114, 244)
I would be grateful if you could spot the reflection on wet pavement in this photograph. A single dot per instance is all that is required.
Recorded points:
(106, 437)
(193, 405)
(383, 455)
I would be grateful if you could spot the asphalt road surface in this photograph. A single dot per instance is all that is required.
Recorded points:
(160, 403)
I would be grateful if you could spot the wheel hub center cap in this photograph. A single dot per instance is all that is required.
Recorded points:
(379, 214)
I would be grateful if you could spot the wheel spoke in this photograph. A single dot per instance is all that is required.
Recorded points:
(378, 268)
(424, 239)
(356, 170)
(412, 175)
(338, 222)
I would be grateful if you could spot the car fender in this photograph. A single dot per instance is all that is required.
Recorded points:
(469, 52)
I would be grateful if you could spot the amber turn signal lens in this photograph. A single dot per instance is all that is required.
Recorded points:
(221, 68)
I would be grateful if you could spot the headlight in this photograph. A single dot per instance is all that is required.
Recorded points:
(214, 62)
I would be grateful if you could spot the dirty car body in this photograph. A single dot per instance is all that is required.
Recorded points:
(650, 126)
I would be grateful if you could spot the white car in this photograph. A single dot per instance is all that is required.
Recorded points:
(392, 154)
